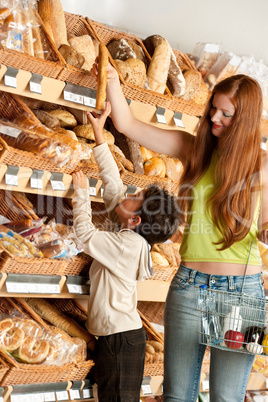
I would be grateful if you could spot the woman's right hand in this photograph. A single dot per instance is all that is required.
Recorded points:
(111, 71)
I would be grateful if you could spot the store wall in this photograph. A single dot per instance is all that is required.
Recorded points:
(239, 26)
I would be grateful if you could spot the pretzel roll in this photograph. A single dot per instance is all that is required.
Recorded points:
(11, 337)
(33, 350)
(102, 76)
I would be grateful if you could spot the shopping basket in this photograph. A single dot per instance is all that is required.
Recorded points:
(233, 321)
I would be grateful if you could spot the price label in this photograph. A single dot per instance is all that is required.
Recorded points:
(10, 81)
(62, 395)
(146, 389)
(178, 119)
(74, 394)
(11, 176)
(35, 87)
(71, 97)
(78, 289)
(87, 393)
(49, 397)
(160, 115)
(21, 287)
(90, 101)
(205, 384)
(92, 187)
(11, 131)
(19, 398)
(101, 191)
(56, 181)
(36, 179)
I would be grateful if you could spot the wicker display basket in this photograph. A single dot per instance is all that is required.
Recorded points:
(20, 373)
(105, 34)
(152, 369)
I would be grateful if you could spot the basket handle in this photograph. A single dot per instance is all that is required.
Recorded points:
(4, 149)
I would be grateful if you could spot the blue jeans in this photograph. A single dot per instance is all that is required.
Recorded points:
(229, 370)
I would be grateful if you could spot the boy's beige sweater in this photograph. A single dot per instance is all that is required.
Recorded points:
(120, 258)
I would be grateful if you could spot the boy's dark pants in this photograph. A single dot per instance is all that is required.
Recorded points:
(119, 365)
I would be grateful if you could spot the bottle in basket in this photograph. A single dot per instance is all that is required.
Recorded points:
(210, 320)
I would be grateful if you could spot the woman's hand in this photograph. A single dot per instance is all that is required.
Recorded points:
(111, 71)
(80, 181)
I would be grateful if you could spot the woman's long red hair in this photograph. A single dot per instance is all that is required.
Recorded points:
(238, 165)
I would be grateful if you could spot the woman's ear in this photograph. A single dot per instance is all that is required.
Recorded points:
(134, 221)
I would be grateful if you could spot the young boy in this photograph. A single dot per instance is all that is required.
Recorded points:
(121, 258)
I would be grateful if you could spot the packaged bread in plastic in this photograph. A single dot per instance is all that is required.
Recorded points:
(205, 55)
(27, 341)
(17, 244)
(226, 66)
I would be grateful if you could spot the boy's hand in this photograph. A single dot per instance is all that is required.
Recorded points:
(98, 122)
(80, 180)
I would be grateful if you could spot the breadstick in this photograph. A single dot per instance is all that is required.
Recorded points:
(102, 76)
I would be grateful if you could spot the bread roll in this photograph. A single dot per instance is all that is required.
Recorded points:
(66, 119)
(52, 14)
(46, 118)
(86, 131)
(133, 71)
(102, 76)
(155, 167)
(159, 259)
(71, 56)
(120, 49)
(193, 80)
(146, 153)
(84, 46)
(158, 68)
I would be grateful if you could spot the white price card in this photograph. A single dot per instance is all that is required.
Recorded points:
(11, 131)
(10, 81)
(146, 389)
(86, 393)
(18, 398)
(91, 102)
(161, 119)
(49, 397)
(35, 83)
(74, 394)
(205, 385)
(178, 119)
(62, 395)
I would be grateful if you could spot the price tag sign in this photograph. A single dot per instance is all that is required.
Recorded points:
(74, 394)
(146, 389)
(11, 131)
(19, 398)
(49, 397)
(62, 396)
(10, 77)
(130, 190)
(78, 289)
(11, 176)
(178, 119)
(160, 115)
(35, 83)
(92, 187)
(87, 393)
(36, 179)
(89, 97)
(101, 191)
(73, 93)
(56, 181)
(205, 384)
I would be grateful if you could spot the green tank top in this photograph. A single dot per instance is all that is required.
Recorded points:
(200, 233)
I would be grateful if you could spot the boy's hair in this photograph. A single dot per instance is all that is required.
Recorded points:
(159, 215)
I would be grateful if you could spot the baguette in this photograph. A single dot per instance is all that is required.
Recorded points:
(102, 76)
(159, 66)
(52, 14)
(59, 319)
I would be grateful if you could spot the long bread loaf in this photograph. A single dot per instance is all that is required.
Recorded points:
(102, 76)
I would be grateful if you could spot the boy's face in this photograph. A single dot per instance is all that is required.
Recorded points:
(130, 206)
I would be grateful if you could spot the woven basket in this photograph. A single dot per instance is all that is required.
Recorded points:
(105, 34)
(153, 311)
(152, 369)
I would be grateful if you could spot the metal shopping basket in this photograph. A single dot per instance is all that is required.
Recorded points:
(233, 321)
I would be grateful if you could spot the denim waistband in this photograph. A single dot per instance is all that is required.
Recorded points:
(232, 281)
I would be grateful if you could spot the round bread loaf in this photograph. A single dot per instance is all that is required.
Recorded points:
(155, 167)
(65, 118)
(133, 71)
(86, 131)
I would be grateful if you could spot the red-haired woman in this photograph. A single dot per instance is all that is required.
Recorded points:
(223, 197)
